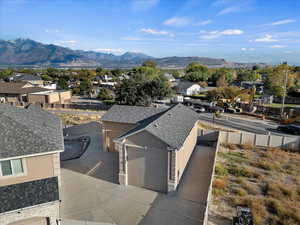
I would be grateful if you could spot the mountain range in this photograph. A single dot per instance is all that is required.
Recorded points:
(30, 53)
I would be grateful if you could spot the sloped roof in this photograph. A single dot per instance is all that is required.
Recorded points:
(129, 114)
(18, 88)
(25, 77)
(184, 85)
(171, 126)
(28, 131)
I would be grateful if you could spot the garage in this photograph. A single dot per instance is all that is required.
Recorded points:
(147, 168)
(32, 221)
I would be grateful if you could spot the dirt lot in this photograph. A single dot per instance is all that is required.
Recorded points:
(266, 180)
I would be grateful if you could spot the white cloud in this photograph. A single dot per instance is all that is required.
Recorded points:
(288, 52)
(278, 46)
(156, 32)
(110, 50)
(131, 38)
(52, 30)
(203, 23)
(143, 5)
(216, 34)
(281, 22)
(266, 38)
(248, 49)
(231, 9)
(177, 22)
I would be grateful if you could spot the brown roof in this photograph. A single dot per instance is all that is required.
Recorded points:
(18, 88)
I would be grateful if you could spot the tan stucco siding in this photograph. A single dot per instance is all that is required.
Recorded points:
(35, 168)
(113, 130)
(32, 98)
(65, 96)
(53, 98)
(145, 139)
(184, 153)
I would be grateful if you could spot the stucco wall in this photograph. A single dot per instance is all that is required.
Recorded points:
(53, 98)
(184, 153)
(112, 130)
(65, 96)
(32, 98)
(36, 168)
(145, 139)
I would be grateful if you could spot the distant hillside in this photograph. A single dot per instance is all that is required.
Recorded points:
(26, 52)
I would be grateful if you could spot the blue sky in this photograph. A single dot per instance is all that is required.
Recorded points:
(237, 30)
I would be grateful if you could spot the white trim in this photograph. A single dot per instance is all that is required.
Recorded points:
(32, 155)
(24, 168)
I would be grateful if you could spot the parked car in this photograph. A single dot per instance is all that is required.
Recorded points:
(290, 129)
(200, 110)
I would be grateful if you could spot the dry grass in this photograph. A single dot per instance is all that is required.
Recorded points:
(69, 119)
(267, 180)
(209, 126)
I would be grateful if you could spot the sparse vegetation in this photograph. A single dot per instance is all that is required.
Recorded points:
(69, 119)
(267, 180)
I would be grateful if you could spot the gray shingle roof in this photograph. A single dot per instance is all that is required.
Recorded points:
(25, 77)
(28, 131)
(183, 85)
(18, 88)
(171, 126)
(129, 114)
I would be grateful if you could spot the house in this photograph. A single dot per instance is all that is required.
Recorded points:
(28, 78)
(154, 144)
(50, 97)
(31, 140)
(169, 77)
(17, 92)
(187, 88)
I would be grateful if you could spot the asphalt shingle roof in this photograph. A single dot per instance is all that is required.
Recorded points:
(28, 131)
(25, 77)
(18, 88)
(171, 126)
(129, 114)
(183, 85)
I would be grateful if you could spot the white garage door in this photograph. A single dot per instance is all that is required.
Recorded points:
(147, 168)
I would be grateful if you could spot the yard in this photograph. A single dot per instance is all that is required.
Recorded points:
(265, 179)
(90, 189)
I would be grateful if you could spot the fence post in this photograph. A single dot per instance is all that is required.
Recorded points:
(254, 141)
(241, 138)
(269, 140)
(283, 140)
(227, 137)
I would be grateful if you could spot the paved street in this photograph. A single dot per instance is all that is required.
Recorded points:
(248, 125)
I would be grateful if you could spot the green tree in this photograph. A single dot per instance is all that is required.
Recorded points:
(105, 94)
(5, 73)
(248, 75)
(63, 84)
(85, 87)
(223, 73)
(149, 63)
(274, 81)
(46, 77)
(196, 72)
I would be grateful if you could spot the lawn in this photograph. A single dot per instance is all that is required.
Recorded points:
(267, 180)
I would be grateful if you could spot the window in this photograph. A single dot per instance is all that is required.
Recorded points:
(11, 167)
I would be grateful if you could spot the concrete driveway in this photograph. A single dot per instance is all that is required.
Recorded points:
(89, 191)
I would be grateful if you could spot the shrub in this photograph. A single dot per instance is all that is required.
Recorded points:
(246, 146)
(221, 170)
(240, 192)
(280, 191)
(220, 183)
(266, 165)
(243, 172)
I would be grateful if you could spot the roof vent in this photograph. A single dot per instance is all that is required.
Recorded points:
(156, 124)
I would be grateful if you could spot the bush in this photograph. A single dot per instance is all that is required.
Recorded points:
(240, 192)
(243, 172)
(266, 165)
(246, 146)
(105, 94)
(220, 170)
(229, 146)
(219, 183)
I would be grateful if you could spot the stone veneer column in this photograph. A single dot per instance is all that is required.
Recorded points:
(172, 181)
(122, 163)
(50, 210)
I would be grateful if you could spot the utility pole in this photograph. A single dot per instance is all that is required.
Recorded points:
(284, 89)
